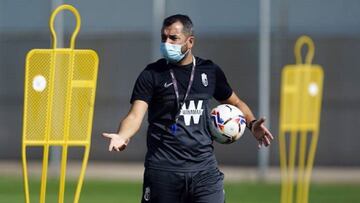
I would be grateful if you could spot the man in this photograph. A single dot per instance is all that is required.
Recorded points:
(180, 166)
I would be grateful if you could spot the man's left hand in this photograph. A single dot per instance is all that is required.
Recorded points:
(261, 133)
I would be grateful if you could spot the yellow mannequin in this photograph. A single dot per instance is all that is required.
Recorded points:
(301, 95)
(59, 97)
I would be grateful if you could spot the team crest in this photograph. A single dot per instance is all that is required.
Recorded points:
(147, 194)
(204, 79)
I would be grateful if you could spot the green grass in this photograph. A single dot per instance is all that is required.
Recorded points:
(11, 190)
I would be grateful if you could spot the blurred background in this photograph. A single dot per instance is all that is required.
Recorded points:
(226, 32)
(126, 36)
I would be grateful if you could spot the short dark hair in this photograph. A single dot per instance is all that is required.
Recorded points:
(183, 19)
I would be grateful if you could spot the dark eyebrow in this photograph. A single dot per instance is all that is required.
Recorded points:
(173, 36)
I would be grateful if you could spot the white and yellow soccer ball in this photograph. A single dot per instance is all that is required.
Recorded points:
(227, 123)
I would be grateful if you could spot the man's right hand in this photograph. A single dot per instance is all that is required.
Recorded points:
(117, 142)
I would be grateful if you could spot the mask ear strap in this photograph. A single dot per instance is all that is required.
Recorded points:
(186, 52)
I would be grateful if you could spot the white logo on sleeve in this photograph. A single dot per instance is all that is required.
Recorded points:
(192, 112)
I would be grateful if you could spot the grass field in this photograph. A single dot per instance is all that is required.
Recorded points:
(11, 191)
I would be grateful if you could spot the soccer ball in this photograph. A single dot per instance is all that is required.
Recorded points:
(227, 123)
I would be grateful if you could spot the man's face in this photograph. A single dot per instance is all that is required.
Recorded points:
(174, 34)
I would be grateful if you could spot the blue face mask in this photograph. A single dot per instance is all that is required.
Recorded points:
(172, 52)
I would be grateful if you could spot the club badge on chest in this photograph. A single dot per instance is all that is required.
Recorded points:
(204, 79)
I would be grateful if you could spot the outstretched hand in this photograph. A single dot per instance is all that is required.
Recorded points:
(261, 133)
(117, 143)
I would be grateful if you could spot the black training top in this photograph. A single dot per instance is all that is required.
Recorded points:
(190, 147)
